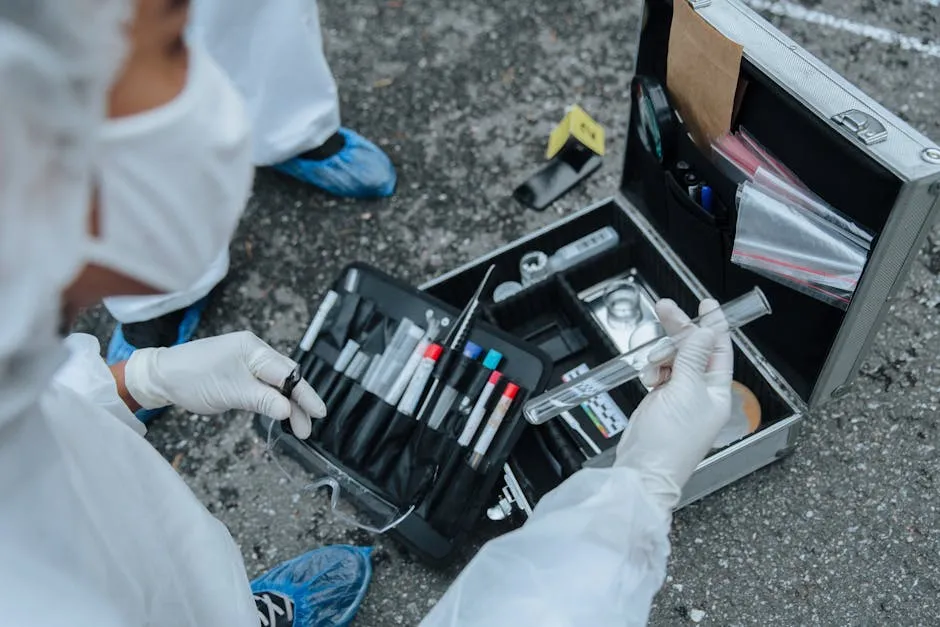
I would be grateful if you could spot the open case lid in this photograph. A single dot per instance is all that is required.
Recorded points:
(890, 187)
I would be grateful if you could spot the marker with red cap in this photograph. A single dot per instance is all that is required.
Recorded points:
(476, 415)
(492, 425)
(409, 400)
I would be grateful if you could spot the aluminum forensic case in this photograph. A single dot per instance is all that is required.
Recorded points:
(847, 148)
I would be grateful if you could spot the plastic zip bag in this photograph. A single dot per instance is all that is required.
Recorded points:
(739, 156)
(815, 206)
(805, 249)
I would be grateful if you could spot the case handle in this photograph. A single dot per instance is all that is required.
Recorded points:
(868, 129)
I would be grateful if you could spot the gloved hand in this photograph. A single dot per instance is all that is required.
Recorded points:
(216, 374)
(675, 425)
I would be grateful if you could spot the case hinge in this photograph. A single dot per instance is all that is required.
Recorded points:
(868, 129)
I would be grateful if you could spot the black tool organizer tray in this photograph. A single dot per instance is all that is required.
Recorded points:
(386, 462)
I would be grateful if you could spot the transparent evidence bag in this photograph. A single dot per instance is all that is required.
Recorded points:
(432, 405)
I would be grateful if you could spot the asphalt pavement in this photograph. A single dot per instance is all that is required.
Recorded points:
(462, 96)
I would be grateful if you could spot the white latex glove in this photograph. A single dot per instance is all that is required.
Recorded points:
(216, 374)
(674, 427)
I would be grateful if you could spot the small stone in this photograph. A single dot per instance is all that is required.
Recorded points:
(696, 616)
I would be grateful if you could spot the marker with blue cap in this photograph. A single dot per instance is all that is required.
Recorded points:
(452, 381)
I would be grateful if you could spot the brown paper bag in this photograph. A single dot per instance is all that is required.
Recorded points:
(701, 74)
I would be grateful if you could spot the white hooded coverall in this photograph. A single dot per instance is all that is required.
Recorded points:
(96, 528)
(273, 53)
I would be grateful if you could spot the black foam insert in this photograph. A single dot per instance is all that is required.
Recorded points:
(799, 336)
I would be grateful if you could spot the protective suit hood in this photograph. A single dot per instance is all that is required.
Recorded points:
(56, 62)
(91, 516)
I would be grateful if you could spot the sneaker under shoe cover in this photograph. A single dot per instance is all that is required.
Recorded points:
(177, 327)
(322, 588)
(359, 170)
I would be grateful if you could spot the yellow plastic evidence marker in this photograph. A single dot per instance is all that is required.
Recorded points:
(575, 151)
(577, 125)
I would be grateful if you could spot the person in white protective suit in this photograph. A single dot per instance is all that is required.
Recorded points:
(96, 528)
(273, 53)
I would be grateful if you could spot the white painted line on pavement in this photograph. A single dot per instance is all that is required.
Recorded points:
(875, 33)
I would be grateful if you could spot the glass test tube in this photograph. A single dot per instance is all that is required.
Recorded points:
(629, 365)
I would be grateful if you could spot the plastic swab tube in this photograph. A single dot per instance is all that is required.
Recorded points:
(492, 425)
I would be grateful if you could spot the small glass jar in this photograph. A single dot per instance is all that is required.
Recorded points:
(622, 301)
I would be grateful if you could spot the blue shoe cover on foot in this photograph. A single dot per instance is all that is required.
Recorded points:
(322, 588)
(359, 170)
(119, 349)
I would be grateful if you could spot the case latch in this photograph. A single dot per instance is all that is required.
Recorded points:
(510, 499)
(867, 128)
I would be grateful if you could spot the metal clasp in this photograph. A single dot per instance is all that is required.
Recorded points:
(867, 128)
(512, 498)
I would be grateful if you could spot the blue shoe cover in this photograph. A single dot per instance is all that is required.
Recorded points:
(119, 349)
(359, 170)
(322, 588)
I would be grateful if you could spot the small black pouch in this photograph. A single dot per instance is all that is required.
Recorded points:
(329, 380)
(361, 440)
(389, 447)
(649, 173)
(307, 365)
(562, 448)
(462, 494)
(412, 476)
(319, 369)
(365, 318)
(725, 189)
(331, 396)
(695, 233)
(449, 457)
(344, 419)
(334, 393)
(338, 326)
